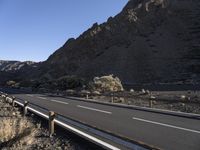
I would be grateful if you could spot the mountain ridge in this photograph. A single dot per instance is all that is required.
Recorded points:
(150, 40)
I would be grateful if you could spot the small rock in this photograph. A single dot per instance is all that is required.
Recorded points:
(183, 97)
(70, 91)
(96, 93)
(143, 91)
(152, 97)
(147, 92)
(182, 104)
(85, 92)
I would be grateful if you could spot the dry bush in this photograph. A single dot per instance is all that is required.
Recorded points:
(10, 128)
(107, 84)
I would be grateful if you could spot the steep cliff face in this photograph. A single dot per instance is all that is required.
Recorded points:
(150, 41)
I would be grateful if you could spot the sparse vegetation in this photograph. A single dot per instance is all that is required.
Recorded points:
(28, 133)
(107, 84)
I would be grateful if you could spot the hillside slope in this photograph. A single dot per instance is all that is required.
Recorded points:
(150, 41)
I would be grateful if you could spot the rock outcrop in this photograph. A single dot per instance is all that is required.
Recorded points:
(150, 41)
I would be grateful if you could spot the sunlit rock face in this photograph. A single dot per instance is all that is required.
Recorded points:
(13, 66)
(150, 41)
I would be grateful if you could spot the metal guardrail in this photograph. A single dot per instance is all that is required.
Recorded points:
(75, 126)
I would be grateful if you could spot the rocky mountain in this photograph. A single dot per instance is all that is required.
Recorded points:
(150, 41)
(14, 66)
(16, 70)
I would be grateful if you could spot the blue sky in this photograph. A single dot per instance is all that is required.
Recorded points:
(34, 29)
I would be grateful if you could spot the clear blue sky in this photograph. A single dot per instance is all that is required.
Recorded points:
(34, 29)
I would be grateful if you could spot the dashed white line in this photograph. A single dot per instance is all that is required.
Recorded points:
(29, 95)
(166, 125)
(59, 102)
(94, 109)
(42, 97)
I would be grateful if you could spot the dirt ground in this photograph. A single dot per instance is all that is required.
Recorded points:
(184, 101)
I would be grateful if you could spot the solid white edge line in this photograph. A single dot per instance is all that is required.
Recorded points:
(166, 125)
(59, 102)
(94, 109)
(87, 135)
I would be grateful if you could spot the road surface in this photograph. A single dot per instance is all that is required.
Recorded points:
(160, 130)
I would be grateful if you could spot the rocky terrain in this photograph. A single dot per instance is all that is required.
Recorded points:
(13, 66)
(16, 70)
(150, 41)
(29, 133)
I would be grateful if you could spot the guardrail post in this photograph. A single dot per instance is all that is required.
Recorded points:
(87, 96)
(150, 103)
(51, 123)
(112, 98)
(13, 102)
(25, 107)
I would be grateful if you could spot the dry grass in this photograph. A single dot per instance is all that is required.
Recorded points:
(27, 133)
(12, 127)
(16, 132)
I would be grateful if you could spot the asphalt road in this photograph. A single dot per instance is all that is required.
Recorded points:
(160, 130)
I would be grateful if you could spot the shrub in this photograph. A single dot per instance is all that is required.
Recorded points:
(107, 84)
(69, 82)
(10, 83)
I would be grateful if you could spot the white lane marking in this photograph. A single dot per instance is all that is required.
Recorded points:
(59, 102)
(166, 125)
(29, 95)
(94, 109)
(42, 97)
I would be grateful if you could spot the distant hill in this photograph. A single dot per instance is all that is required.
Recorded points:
(13, 66)
(16, 70)
(150, 41)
